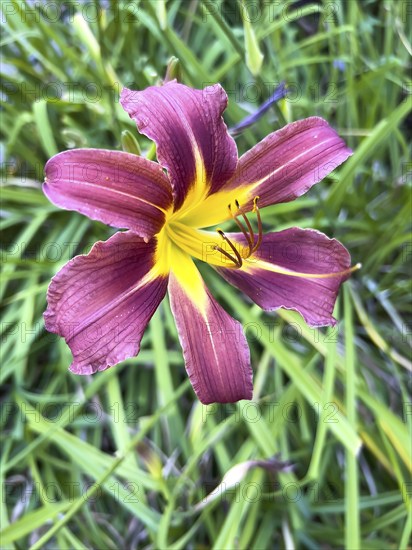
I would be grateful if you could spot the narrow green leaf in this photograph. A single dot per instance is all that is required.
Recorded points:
(44, 129)
(32, 521)
(352, 519)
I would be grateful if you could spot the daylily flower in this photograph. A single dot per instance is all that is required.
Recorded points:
(102, 302)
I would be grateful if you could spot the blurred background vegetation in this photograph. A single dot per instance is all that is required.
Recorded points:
(126, 458)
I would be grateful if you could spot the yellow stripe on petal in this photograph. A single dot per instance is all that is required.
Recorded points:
(280, 168)
(162, 253)
(300, 269)
(198, 190)
(214, 346)
(214, 208)
(191, 136)
(189, 278)
(170, 256)
(102, 302)
(253, 264)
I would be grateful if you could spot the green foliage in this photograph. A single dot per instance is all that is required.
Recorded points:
(126, 458)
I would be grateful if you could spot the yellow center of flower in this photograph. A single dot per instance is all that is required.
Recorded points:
(217, 249)
(178, 240)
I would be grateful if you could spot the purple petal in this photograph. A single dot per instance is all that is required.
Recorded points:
(214, 347)
(190, 134)
(288, 162)
(102, 302)
(297, 250)
(116, 188)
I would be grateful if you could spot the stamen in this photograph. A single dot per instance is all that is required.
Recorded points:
(229, 256)
(247, 236)
(259, 219)
(238, 262)
(251, 232)
(248, 233)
